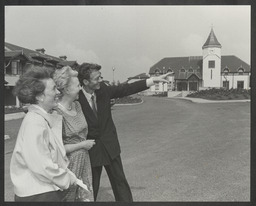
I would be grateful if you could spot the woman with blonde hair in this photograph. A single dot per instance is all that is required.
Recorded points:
(39, 164)
(75, 131)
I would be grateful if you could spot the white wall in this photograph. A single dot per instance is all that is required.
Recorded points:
(234, 79)
(163, 87)
(11, 79)
(210, 54)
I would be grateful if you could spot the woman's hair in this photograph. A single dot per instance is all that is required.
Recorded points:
(31, 85)
(63, 76)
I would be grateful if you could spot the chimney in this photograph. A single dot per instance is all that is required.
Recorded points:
(42, 50)
(63, 57)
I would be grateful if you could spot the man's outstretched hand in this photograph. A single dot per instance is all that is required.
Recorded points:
(162, 78)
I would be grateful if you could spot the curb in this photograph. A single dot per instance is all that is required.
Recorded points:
(13, 116)
(19, 115)
(200, 101)
(129, 104)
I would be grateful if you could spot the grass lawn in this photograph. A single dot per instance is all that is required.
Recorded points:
(11, 128)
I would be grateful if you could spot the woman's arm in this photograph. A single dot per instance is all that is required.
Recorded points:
(86, 144)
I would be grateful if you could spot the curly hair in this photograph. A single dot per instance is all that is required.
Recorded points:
(63, 76)
(85, 70)
(30, 85)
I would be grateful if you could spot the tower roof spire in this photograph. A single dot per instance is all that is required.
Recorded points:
(211, 40)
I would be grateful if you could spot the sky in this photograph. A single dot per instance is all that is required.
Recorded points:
(130, 39)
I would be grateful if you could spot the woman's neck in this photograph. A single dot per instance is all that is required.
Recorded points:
(66, 102)
(43, 107)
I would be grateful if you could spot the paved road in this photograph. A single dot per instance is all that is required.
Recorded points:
(176, 150)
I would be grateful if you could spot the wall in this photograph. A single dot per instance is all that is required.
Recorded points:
(214, 79)
(233, 80)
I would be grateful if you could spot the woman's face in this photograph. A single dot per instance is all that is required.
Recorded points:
(74, 88)
(50, 95)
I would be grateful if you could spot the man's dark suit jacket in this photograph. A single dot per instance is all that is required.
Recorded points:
(102, 129)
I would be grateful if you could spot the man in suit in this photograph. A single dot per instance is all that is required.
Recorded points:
(95, 99)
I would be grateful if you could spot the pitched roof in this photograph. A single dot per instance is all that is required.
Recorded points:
(211, 41)
(233, 63)
(68, 63)
(33, 55)
(14, 54)
(139, 76)
(176, 64)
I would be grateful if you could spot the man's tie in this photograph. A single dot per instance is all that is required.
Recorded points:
(94, 106)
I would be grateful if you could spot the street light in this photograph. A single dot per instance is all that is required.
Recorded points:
(113, 68)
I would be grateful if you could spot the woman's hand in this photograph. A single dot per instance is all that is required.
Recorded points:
(88, 144)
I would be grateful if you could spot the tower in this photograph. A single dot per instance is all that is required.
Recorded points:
(211, 61)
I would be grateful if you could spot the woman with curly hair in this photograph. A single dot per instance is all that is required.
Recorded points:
(75, 131)
(38, 165)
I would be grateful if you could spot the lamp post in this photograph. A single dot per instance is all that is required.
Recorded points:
(113, 69)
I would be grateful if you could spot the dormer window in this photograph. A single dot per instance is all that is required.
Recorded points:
(182, 70)
(240, 71)
(169, 70)
(157, 71)
(226, 70)
(191, 70)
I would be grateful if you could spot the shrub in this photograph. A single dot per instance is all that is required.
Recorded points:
(161, 94)
(217, 94)
(128, 100)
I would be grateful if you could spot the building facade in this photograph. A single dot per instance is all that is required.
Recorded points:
(19, 59)
(211, 70)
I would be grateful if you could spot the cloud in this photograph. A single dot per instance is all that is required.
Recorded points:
(192, 45)
(131, 66)
(75, 53)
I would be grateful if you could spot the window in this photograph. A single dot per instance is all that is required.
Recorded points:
(211, 64)
(14, 67)
(169, 86)
(226, 70)
(157, 71)
(191, 70)
(240, 84)
(240, 71)
(226, 84)
(157, 86)
(182, 70)
(169, 70)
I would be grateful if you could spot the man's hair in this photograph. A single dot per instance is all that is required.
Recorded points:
(30, 84)
(85, 70)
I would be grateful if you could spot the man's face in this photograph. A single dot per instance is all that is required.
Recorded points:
(95, 80)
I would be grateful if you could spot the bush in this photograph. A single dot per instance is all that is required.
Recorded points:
(161, 94)
(13, 109)
(128, 100)
(222, 94)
